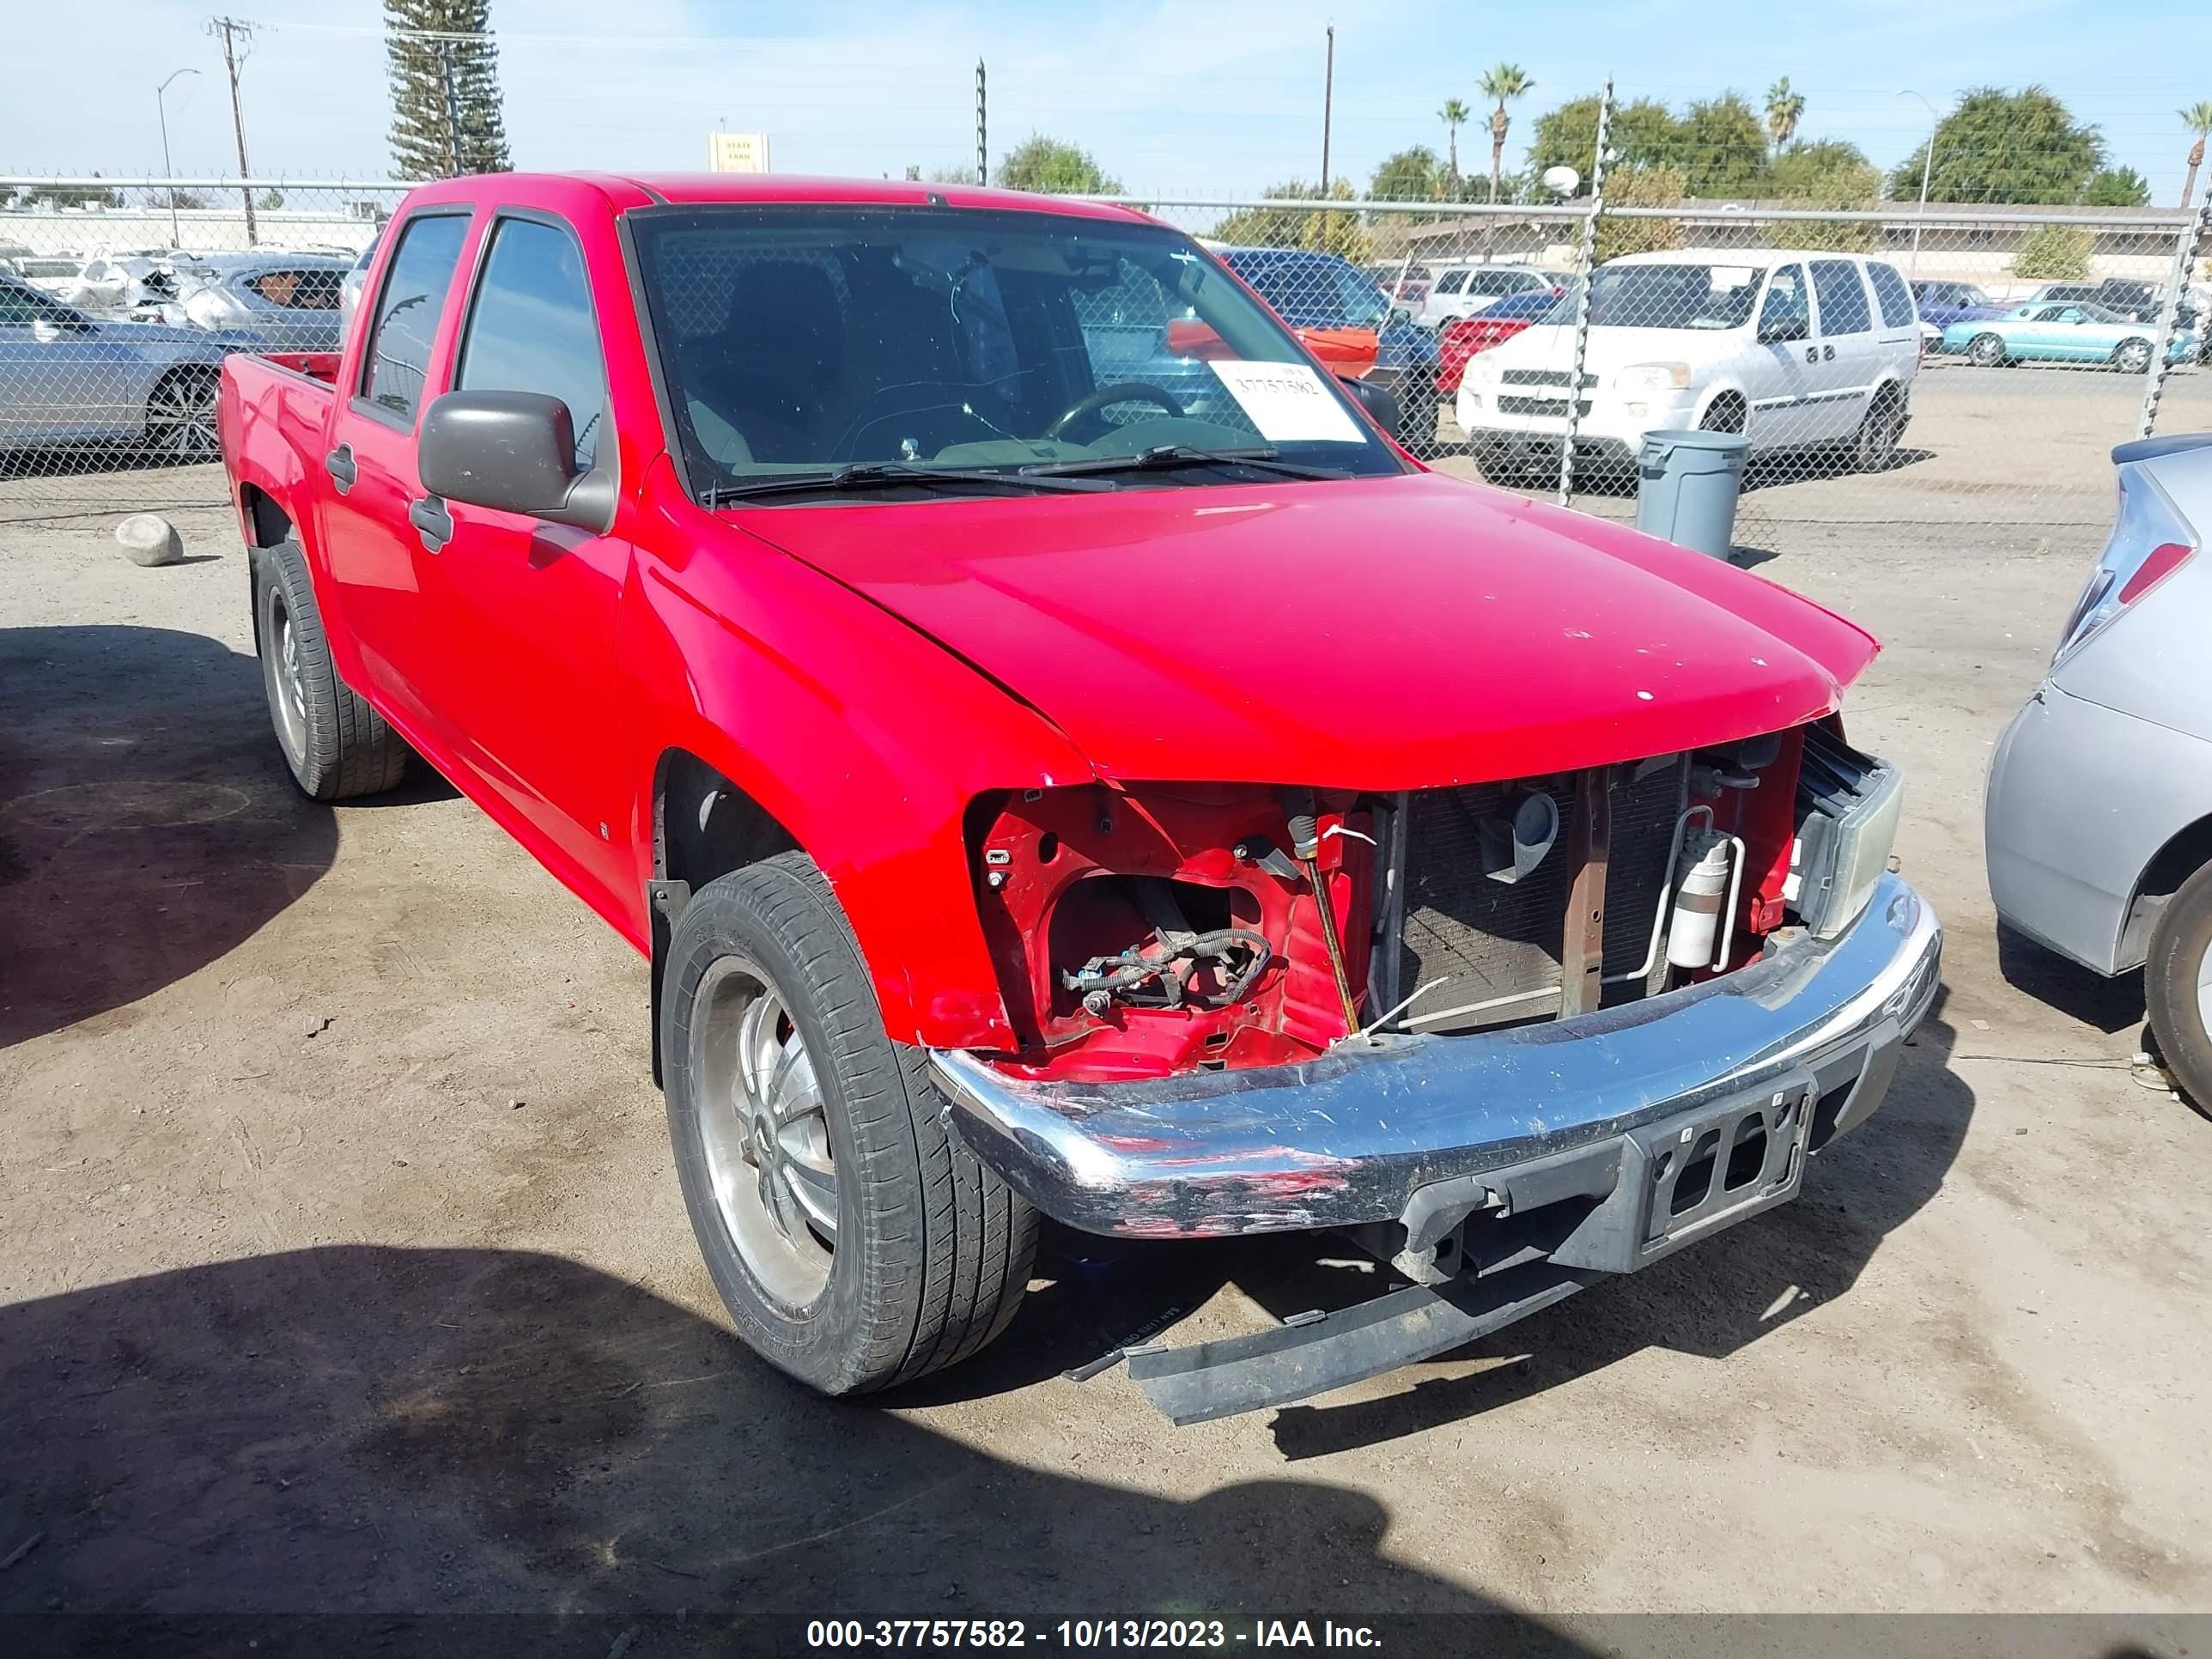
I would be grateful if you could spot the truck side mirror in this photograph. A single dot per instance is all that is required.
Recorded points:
(515, 452)
(1377, 400)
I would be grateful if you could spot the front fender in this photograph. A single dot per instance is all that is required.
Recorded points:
(865, 739)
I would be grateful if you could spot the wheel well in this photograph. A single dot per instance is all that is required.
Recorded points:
(266, 523)
(703, 826)
(1889, 392)
(1727, 404)
(2182, 857)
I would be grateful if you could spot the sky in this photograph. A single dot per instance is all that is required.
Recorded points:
(1173, 97)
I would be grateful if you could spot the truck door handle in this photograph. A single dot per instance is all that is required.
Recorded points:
(431, 521)
(339, 464)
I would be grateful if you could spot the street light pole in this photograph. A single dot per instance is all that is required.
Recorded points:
(1927, 162)
(168, 171)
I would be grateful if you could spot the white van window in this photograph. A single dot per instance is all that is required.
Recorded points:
(1843, 298)
(1451, 281)
(1672, 296)
(1786, 303)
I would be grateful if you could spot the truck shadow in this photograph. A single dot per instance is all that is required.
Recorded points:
(146, 825)
(361, 1429)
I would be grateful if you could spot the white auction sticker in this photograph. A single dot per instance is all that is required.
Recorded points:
(1287, 402)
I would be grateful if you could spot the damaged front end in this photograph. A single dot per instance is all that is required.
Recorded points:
(1507, 1036)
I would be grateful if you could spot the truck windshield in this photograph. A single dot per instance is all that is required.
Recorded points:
(809, 339)
(1666, 296)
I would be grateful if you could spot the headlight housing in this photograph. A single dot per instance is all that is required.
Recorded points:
(1485, 367)
(1848, 804)
(1653, 377)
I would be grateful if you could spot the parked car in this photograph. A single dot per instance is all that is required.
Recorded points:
(1406, 282)
(289, 300)
(1002, 798)
(114, 283)
(2099, 822)
(69, 379)
(2064, 333)
(1793, 350)
(1464, 290)
(1461, 337)
(1320, 291)
(1945, 303)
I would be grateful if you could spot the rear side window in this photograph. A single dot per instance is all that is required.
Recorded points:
(408, 310)
(1451, 281)
(1896, 298)
(298, 290)
(1843, 299)
(531, 328)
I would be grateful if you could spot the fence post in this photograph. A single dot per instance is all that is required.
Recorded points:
(2188, 239)
(1583, 264)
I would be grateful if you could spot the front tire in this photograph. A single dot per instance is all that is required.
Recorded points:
(180, 418)
(2132, 356)
(1986, 351)
(334, 743)
(855, 1241)
(2177, 987)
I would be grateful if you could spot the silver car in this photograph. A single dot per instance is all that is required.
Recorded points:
(290, 300)
(2099, 818)
(67, 378)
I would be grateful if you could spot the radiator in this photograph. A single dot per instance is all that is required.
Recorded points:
(1497, 946)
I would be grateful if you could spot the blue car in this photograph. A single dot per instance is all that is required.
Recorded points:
(1319, 290)
(1946, 303)
(2064, 333)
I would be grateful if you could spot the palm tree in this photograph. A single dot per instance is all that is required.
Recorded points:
(2197, 118)
(1501, 85)
(1784, 109)
(1454, 115)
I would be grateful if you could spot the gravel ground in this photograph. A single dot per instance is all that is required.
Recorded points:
(342, 1265)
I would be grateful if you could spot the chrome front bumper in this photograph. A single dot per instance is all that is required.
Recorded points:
(1350, 1139)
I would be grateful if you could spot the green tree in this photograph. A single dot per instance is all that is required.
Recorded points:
(2117, 187)
(2197, 118)
(2053, 253)
(1324, 229)
(1053, 167)
(1641, 134)
(180, 199)
(1411, 175)
(443, 66)
(1720, 147)
(2019, 148)
(272, 200)
(1455, 115)
(73, 196)
(1785, 110)
(1823, 173)
(1640, 186)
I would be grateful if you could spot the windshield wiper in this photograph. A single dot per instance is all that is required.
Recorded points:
(885, 475)
(1165, 457)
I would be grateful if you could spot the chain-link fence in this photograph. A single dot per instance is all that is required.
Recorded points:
(1949, 374)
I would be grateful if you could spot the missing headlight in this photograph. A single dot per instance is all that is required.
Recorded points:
(1847, 804)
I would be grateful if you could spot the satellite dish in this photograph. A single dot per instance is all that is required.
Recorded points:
(1562, 181)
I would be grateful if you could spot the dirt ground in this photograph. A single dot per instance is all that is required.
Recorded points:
(342, 1265)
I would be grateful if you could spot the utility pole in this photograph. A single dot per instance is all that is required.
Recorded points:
(231, 57)
(453, 108)
(1327, 94)
(982, 150)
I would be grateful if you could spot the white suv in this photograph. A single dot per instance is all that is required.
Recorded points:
(1791, 348)
(1462, 291)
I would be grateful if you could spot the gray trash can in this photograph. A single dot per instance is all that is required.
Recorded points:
(1686, 484)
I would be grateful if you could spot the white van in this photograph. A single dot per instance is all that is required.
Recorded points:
(1792, 349)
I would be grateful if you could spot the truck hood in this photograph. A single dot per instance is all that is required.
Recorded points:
(1403, 632)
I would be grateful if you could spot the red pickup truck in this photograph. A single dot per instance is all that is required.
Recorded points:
(1059, 758)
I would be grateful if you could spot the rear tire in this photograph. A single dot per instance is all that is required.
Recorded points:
(180, 416)
(334, 743)
(2177, 987)
(1986, 351)
(856, 1241)
(1874, 449)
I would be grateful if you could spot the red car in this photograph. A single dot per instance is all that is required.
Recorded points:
(1048, 777)
(1461, 337)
